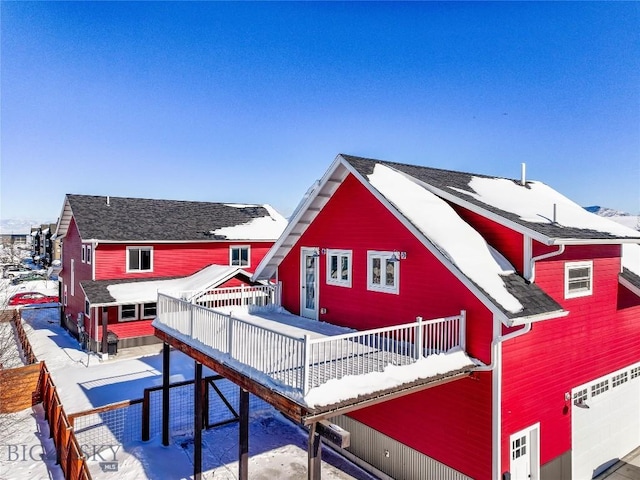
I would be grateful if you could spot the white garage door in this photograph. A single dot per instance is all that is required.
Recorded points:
(605, 421)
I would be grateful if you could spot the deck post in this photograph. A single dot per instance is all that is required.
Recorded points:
(243, 447)
(105, 334)
(166, 350)
(314, 453)
(305, 367)
(197, 422)
(463, 330)
(418, 342)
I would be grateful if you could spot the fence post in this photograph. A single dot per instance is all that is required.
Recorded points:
(146, 413)
(463, 330)
(305, 371)
(190, 319)
(242, 295)
(418, 339)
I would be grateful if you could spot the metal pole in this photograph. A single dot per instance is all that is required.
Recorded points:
(197, 423)
(166, 369)
(243, 447)
(314, 454)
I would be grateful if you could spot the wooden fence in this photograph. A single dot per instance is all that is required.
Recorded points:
(27, 351)
(68, 452)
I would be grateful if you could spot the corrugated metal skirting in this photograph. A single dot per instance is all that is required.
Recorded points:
(401, 462)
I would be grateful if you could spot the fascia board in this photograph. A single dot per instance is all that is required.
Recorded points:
(515, 322)
(295, 222)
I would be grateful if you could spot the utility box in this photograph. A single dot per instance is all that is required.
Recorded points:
(112, 343)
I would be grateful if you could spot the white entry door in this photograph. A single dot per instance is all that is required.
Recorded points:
(309, 283)
(524, 452)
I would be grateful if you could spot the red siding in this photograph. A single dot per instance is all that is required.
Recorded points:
(508, 242)
(557, 355)
(353, 219)
(72, 245)
(172, 259)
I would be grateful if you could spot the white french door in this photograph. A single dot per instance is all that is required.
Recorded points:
(309, 283)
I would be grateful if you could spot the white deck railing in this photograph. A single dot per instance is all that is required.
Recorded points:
(302, 363)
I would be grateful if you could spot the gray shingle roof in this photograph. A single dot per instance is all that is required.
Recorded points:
(141, 219)
(447, 180)
(631, 277)
(97, 291)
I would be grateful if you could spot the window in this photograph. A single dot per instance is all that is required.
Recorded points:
(578, 279)
(383, 272)
(87, 307)
(619, 379)
(139, 259)
(89, 254)
(635, 372)
(128, 312)
(64, 295)
(519, 447)
(339, 268)
(599, 388)
(84, 253)
(148, 310)
(239, 256)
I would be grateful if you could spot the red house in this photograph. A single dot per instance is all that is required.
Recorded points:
(118, 252)
(552, 314)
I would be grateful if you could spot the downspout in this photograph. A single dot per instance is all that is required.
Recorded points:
(544, 256)
(496, 405)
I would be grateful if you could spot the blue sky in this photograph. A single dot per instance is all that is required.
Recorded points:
(251, 102)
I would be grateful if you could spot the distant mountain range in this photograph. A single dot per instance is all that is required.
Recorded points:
(18, 225)
(626, 219)
(631, 221)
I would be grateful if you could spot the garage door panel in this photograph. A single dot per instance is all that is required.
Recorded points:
(610, 427)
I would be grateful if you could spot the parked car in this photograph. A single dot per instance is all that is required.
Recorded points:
(12, 271)
(29, 277)
(30, 298)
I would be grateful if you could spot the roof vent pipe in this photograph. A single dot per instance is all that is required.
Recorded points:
(523, 174)
(555, 213)
(108, 201)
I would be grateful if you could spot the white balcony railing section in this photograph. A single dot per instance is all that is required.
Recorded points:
(302, 363)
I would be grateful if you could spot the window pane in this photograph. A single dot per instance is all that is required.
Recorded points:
(145, 259)
(244, 257)
(375, 271)
(128, 311)
(575, 273)
(391, 274)
(149, 309)
(235, 256)
(344, 268)
(134, 259)
(333, 266)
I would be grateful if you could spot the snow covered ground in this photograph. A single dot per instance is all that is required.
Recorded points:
(277, 447)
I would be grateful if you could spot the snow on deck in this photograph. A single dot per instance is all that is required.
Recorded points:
(339, 369)
(535, 203)
(455, 238)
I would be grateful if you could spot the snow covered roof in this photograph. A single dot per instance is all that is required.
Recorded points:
(440, 228)
(534, 208)
(118, 219)
(123, 292)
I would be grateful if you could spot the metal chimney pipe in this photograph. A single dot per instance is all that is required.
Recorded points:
(523, 174)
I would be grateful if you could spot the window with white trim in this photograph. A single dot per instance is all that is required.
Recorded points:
(580, 397)
(139, 259)
(87, 307)
(619, 379)
(83, 255)
(239, 256)
(635, 372)
(148, 310)
(339, 268)
(64, 295)
(89, 254)
(578, 279)
(519, 447)
(383, 272)
(599, 388)
(128, 312)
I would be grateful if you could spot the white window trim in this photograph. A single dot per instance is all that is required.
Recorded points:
(64, 295)
(395, 289)
(128, 270)
(232, 247)
(87, 307)
(83, 254)
(120, 319)
(141, 314)
(88, 255)
(339, 282)
(580, 293)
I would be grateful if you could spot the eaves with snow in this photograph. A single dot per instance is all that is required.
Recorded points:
(121, 219)
(421, 198)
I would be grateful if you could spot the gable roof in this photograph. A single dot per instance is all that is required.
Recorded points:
(144, 290)
(511, 297)
(528, 208)
(121, 219)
